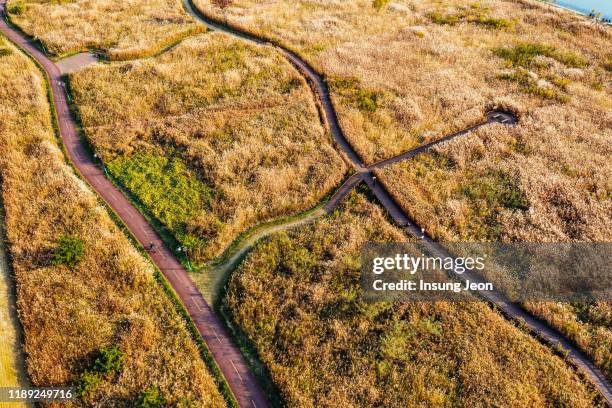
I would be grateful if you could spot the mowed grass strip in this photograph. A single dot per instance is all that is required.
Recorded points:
(92, 314)
(213, 138)
(298, 299)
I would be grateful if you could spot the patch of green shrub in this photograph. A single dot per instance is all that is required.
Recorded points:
(442, 19)
(470, 16)
(4, 52)
(498, 190)
(546, 93)
(109, 360)
(150, 398)
(87, 383)
(493, 22)
(523, 55)
(380, 4)
(18, 8)
(69, 251)
(530, 86)
(363, 99)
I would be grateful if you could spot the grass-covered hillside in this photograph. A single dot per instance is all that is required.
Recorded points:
(297, 297)
(124, 29)
(212, 137)
(92, 314)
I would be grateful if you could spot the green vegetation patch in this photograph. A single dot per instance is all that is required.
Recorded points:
(165, 185)
(17, 8)
(69, 251)
(150, 398)
(530, 85)
(474, 15)
(108, 361)
(489, 193)
(380, 4)
(523, 55)
(363, 99)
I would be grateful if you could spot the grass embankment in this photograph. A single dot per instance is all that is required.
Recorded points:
(297, 297)
(125, 30)
(92, 314)
(219, 137)
(12, 365)
(406, 72)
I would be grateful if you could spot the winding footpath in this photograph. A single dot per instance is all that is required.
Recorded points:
(227, 356)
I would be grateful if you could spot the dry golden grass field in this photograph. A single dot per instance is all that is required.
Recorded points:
(12, 366)
(411, 71)
(297, 297)
(213, 137)
(91, 311)
(125, 28)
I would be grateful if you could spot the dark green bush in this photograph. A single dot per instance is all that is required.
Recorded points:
(69, 251)
(150, 398)
(109, 360)
(4, 52)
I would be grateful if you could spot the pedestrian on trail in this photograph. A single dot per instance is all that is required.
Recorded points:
(374, 181)
(151, 247)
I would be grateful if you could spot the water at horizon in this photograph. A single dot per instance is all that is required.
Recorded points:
(586, 6)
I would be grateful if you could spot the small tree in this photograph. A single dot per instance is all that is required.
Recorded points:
(109, 360)
(150, 398)
(69, 251)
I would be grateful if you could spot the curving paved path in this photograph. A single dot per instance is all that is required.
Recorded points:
(364, 173)
(227, 356)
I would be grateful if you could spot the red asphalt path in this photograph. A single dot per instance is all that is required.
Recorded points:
(227, 356)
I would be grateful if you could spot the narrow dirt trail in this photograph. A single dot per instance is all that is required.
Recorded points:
(321, 91)
(227, 356)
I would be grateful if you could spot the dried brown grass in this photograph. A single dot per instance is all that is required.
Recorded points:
(429, 79)
(429, 72)
(131, 28)
(110, 297)
(240, 117)
(297, 297)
